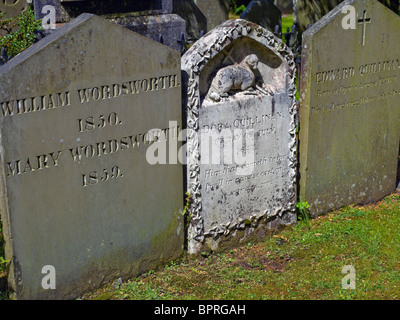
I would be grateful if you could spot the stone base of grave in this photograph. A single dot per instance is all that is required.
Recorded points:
(241, 236)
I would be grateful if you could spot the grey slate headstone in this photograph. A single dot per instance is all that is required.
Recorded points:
(80, 111)
(245, 186)
(67, 10)
(196, 21)
(349, 108)
(263, 13)
(308, 12)
(216, 11)
(152, 19)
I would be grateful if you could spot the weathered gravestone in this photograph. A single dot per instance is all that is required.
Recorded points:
(150, 18)
(285, 6)
(265, 14)
(196, 21)
(216, 11)
(349, 114)
(80, 111)
(308, 12)
(241, 146)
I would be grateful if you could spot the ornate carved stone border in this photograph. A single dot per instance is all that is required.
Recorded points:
(193, 62)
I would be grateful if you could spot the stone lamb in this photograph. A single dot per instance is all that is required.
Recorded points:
(234, 77)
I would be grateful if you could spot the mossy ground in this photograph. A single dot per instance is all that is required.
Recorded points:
(300, 263)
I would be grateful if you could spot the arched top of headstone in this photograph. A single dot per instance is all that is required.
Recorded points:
(228, 45)
(219, 38)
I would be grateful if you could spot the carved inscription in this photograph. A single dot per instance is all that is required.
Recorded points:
(88, 124)
(363, 70)
(252, 134)
(95, 177)
(63, 99)
(374, 84)
(34, 104)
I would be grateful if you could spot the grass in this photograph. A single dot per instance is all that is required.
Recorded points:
(287, 22)
(3, 268)
(300, 263)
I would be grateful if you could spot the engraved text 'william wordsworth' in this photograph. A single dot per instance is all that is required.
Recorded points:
(63, 99)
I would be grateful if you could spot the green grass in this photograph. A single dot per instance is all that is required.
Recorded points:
(299, 263)
(3, 268)
(287, 22)
(2, 260)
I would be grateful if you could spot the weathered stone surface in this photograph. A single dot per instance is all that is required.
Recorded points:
(349, 114)
(67, 10)
(79, 113)
(196, 21)
(62, 15)
(285, 6)
(240, 106)
(168, 29)
(308, 12)
(11, 8)
(263, 13)
(152, 19)
(216, 11)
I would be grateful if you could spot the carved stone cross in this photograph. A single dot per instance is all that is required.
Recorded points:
(364, 22)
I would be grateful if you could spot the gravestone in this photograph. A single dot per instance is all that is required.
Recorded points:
(285, 6)
(80, 114)
(349, 113)
(151, 18)
(67, 10)
(308, 12)
(216, 11)
(265, 14)
(241, 145)
(196, 21)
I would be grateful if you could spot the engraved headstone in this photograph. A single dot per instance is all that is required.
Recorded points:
(80, 111)
(349, 114)
(241, 145)
(263, 13)
(308, 12)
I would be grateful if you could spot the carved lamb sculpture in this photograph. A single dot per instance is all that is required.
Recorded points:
(235, 77)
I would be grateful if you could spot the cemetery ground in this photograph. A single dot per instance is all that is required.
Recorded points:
(302, 262)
